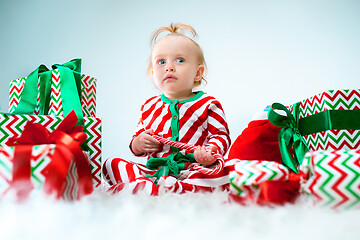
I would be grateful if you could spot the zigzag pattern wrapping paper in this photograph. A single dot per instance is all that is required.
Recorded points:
(332, 100)
(55, 105)
(13, 125)
(333, 178)
(40, 159)
(328, 178)
(248, 174)
(88, 94)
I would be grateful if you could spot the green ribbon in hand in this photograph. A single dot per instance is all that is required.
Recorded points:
(292, 145)
(70, 87)
(171, 164)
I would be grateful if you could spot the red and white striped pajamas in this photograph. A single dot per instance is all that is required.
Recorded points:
(196, 121)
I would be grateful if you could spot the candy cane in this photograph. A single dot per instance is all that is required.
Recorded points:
(208, 171)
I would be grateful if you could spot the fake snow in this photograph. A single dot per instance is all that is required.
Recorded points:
(170, 216)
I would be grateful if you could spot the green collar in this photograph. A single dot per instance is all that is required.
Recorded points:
(197, 96)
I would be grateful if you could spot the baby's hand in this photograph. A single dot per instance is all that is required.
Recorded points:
(145, 143)
(203, 155)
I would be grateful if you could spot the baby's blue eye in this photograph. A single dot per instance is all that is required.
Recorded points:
(180, 60)
(161, 62)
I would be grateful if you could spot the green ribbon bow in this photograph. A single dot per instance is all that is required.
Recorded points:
(292, 145)
(290, 136)
(171, 164)
(70, 87)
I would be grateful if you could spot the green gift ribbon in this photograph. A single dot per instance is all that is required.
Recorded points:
(28, 99)
(289, 135)
(294, 128)
(171, 164)
(330, 120)
(70, 87)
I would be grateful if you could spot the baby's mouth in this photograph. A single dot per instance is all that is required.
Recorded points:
(169, 77)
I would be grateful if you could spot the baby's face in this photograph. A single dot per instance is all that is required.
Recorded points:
(175, 66)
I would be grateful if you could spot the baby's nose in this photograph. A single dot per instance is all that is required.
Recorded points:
(170, 68)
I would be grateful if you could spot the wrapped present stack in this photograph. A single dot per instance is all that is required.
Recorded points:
(47, 97)
(319, 144)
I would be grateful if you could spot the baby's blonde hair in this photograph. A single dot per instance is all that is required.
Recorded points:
(179, 29)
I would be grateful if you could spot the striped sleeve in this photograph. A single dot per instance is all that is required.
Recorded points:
(139, 129)
(219, 134)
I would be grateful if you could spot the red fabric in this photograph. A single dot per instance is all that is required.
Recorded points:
(278, 192)
(259, 141)
(22, 172)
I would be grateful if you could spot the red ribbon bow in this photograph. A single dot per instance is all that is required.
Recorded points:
(68, 139)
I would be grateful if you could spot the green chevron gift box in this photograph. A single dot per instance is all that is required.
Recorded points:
(38, 174)
(333, 178)
(54, 92)
(327, 121)
(13, 126)
(338, 124)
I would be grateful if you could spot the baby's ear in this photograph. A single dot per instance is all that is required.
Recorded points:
(200, 72)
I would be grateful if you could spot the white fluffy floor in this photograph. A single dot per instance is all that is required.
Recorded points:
(171, 216)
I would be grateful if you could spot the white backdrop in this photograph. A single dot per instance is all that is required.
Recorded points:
(258, 52)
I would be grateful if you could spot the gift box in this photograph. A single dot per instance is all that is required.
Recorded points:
(13, 126)
(88, 95)
(66, 185)
(53, 161)
(332, 178)
(54, 92)
(263, 182)
(326, 103)
(329, 120)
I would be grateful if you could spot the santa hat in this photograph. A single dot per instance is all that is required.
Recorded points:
(259, 141)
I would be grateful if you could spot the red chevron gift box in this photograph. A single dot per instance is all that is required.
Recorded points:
(13, 126)
(58, 166)
(333, 178)
(24, 178)
(55, 91)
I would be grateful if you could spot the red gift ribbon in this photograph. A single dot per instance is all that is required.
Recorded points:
(21, 171)
(68, 139)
